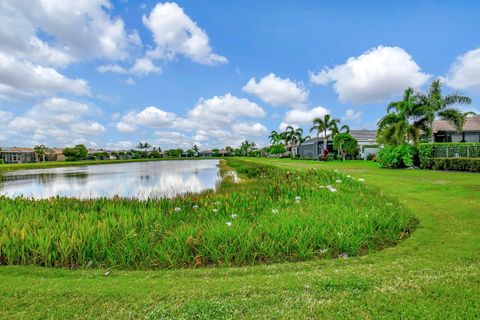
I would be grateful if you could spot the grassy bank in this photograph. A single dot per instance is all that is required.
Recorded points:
(275, 215)
(57, 164)
(435, 274)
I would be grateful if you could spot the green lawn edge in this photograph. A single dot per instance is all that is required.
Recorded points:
(434, 274)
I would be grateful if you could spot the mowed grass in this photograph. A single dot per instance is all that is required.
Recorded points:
(275, 215)
(435, 274)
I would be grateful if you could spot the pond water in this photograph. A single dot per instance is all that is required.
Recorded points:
(141, 180)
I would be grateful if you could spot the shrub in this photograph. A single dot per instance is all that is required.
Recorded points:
(398, 156)
(372, 157)
(428, 152)
(459, 164)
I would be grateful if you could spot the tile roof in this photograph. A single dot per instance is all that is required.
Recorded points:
(471, 124)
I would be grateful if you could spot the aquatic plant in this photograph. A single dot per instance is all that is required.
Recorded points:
(259, 220)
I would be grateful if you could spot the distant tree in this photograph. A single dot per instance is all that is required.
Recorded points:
(277, 149)
(190, 152)
(40, 152)
(275, 137)
(144, 147)
(345, 144)
(174, 152)
(70, 153)
(82, 151)
(432, 105)
(401, 125)
(195, 148)
(325, 125)
(246, 147)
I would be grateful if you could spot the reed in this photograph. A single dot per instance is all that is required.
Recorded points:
(273, 215)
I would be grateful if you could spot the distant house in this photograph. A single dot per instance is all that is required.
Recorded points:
(205, 153)
(18, 155)
(313, 148)
(445, 132)
(55, 154)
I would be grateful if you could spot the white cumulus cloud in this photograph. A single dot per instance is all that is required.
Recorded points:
(21, 78)
(250, 129)
(464, 72)
(305, 116)
(174, 33)
(378, 74)
(277, 91)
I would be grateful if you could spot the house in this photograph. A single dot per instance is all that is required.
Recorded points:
(18, 155)
(55, 154)
(313, 148)
(205, 153)
(445, 132)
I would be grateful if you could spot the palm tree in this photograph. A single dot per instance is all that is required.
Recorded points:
(343, 129)
(275, 137)
(432, 105)
(40, 152)
(246, 147)
(324, 125)
(144, 146)
(400, 125)
(297, 138)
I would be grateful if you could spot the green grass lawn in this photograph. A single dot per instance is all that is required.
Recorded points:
(433, 274)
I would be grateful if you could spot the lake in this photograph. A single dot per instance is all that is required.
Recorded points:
(141, 180)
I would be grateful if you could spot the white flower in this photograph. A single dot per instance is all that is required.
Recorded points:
(321, 187)
(338, 181)
(323, 251)
(297, 199)
(335, 170)
(234, 216)
(349, 176)
(215, 210)
(333, 190)
(229, 223)
(274, 211)
(177, 209)
(329, 187)
(361, 179)
(195, 206)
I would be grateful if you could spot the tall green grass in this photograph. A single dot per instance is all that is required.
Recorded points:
(278, 215)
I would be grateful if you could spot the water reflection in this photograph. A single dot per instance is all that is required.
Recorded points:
(140, 180)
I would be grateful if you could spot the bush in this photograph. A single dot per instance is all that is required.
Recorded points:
(398, 156)
(372, 157)
(458, 164)
(428, 152)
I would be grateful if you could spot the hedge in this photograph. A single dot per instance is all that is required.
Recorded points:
(459, 164)
(429, 151)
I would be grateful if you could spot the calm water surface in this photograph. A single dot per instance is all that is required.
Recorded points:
(140, 180)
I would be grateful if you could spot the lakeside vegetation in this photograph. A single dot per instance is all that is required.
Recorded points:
(433, 274)
(274, 215)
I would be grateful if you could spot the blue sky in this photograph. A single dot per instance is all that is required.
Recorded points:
(113, 73)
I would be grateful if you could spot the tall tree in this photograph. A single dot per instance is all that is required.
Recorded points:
(275, 137)
(40, 152)
(433, 104)
(325, 125)
(195, 148)
(345, 144)
(400, 125)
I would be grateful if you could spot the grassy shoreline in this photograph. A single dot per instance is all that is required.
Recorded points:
(433, 275)
(58, 164)
(295, 216)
